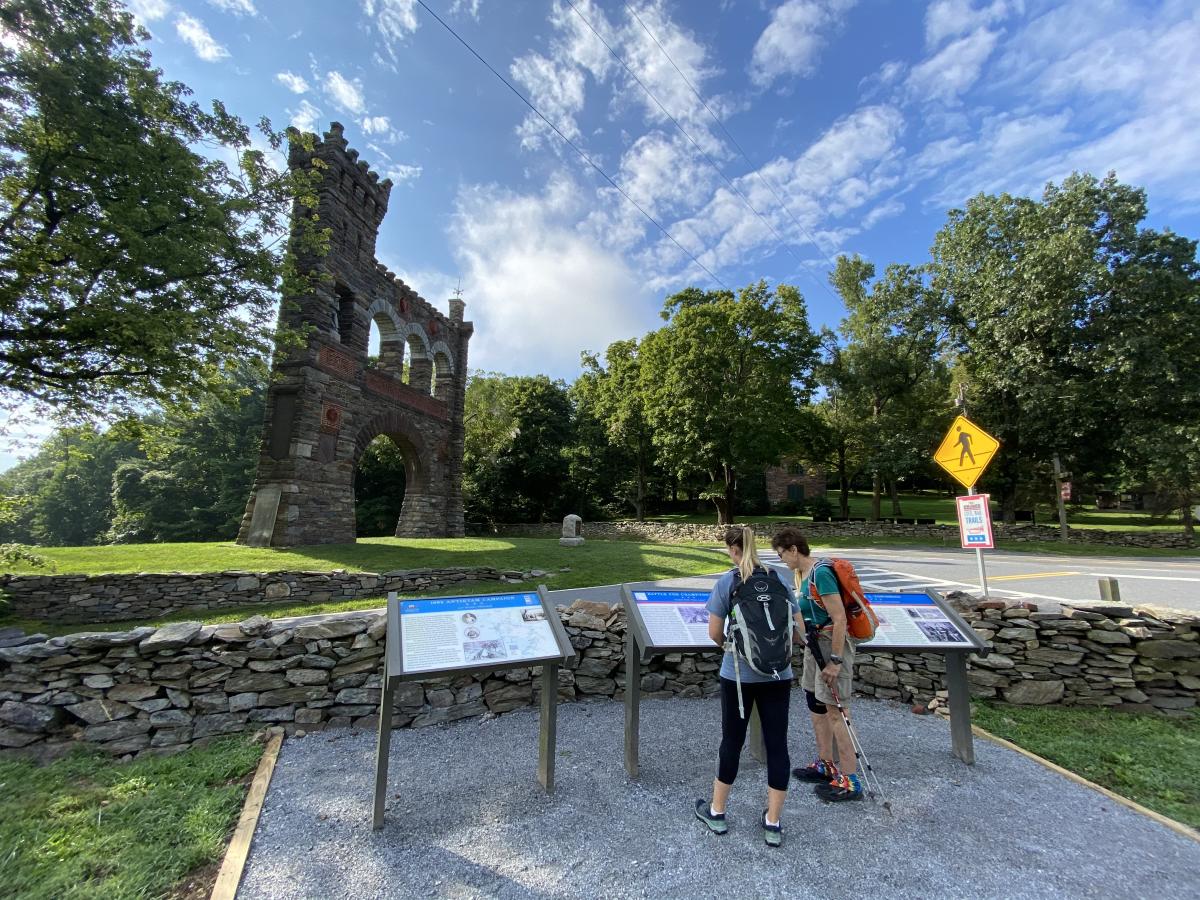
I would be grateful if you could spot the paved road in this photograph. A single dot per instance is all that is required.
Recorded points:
(1158, 581)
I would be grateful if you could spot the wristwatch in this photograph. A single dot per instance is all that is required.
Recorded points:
(835, 659)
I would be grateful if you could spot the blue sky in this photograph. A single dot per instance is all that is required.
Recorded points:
(860, 123)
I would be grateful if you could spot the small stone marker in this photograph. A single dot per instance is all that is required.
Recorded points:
(570, 532)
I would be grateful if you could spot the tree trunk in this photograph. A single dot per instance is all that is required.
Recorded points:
(895, 492)
(876, 478)
(1189, 521)
(843, 482)
(639, 502)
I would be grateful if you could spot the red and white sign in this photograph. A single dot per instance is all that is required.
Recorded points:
(1065, 491)
(975, 522)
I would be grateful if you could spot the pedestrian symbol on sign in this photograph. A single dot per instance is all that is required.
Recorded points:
(966, 451)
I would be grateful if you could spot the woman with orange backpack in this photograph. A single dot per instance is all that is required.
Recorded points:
(825, 621)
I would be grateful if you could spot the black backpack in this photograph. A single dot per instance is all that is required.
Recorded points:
(760, 622)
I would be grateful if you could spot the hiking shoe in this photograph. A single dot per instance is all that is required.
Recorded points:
(819, 771)
(772, 834)
(716, 824)
(844, 787)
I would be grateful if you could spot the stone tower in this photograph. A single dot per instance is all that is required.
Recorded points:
(325, 403)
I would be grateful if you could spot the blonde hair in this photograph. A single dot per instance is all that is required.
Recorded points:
(743, 538)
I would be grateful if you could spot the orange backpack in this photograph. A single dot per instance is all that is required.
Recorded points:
(861, 620)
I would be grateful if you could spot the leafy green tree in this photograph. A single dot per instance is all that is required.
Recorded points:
(198, 465)
(64, 492)
(834, 436)
(140, 235)
(724, 382)
(515, 462)
(893, 333)
(1146, 329)
(1023, 279)
(614, 393)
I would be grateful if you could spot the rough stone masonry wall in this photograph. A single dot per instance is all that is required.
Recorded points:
(1132, 660)
(159, 690)
(675, 532)
(80, 599)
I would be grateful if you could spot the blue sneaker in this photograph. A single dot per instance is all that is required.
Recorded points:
(772, 834)
(716, 824)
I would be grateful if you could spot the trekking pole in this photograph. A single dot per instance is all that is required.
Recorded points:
(873, 784)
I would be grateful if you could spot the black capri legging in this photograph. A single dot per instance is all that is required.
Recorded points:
(771, 698)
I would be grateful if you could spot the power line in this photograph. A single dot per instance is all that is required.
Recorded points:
(733, 141)
(573, 145)
(708, 158)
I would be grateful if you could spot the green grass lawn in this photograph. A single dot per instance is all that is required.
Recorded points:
(1154, 760)
(86, 826)
(594, 563)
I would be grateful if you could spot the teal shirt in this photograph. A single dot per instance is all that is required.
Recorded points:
(826, 584)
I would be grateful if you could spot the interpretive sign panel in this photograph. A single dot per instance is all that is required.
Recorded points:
(923, 623)
(917, 622)
(471, 636)
(975, 522)
(454, 632)
(672, 618)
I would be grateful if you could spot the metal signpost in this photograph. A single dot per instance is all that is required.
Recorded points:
(965, 452)
(923, 623)
(468, 636)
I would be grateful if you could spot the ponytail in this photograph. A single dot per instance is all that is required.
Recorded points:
(744, 538)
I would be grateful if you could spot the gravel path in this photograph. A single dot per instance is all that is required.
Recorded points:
(467, 818)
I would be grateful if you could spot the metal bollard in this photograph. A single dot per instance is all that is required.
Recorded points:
(1110, 591)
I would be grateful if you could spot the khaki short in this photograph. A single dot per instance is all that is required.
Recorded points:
(810, 678)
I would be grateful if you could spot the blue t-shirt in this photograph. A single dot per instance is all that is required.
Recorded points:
(719, 604)
(826, 584)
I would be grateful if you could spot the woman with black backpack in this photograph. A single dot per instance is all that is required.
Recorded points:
(752, 614)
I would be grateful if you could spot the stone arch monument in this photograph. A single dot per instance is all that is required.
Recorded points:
(326, 403)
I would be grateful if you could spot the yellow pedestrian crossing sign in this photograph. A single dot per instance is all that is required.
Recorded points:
(966, 451)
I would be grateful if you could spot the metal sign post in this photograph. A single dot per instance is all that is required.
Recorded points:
(965, 452)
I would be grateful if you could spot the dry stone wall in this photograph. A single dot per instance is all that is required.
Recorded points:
(81, 599)
(156, 691)
(675, 532)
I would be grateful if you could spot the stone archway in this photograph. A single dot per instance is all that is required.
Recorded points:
(325, 404)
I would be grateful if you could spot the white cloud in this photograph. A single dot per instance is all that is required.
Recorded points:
(400, 173)
(792, 41)
(236, 7)
(293, 82)
(1088, 87)
(193, 33)
(307, 117)
(345, 92)
(954, 69)
(381, 126)
(950, 18)
(395, 19)
(883, 211)
(148, 10)
(538, 290)
(555, 90)
(470, 7)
